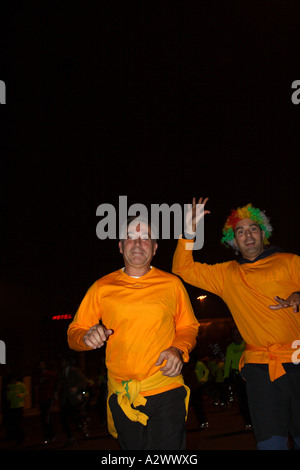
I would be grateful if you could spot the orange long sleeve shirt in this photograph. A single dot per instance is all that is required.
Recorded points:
(249, 289)
(148, 315)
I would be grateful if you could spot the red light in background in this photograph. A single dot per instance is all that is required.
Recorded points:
(67, 316)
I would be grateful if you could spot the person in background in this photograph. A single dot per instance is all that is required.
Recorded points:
(70, 384)
(16, 393)
(216, 370)
(232, 376)
(46, 388)
(202, 375)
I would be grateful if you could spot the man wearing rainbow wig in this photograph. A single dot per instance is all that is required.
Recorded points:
(250, 286)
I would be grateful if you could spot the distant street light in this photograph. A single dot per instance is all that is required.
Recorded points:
(201, 297)
(201, 309)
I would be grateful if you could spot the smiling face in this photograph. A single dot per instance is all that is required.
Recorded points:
(138, 249)
(249, 238)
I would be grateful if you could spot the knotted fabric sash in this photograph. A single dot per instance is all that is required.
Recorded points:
(274, 356)
(128, 393)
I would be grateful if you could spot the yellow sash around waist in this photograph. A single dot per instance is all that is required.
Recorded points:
(128, 393)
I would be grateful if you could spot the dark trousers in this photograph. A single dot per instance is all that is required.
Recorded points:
(45, 409)
(240, 388)
(274, 406)
(165, 429)
(197, 404)
(69, 413)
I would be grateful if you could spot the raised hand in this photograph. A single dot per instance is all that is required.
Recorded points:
(194, 215)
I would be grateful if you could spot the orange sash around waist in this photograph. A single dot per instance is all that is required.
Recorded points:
(274, 356)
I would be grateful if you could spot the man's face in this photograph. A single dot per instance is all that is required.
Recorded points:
(249, 238)
(138, 249)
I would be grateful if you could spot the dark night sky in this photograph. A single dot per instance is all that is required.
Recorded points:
(160, 101)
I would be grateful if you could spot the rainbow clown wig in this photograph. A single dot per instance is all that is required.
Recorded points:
(246, 212)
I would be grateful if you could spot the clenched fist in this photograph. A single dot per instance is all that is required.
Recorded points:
(96, 336)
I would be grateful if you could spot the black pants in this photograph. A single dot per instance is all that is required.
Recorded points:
(165, 429)
(240, 388)
(197, 403)
(45, 409)
(70, 413)
(274, 406)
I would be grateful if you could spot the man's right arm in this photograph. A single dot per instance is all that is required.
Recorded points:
(96, 336)
(184, 264)
(87, 316)
(207, 277)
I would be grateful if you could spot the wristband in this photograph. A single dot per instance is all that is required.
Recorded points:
(188, 236)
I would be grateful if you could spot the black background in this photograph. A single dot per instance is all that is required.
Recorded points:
(156, 100)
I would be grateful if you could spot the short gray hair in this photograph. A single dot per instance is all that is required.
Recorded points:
(138, 219)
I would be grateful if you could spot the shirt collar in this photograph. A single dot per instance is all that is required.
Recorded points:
(270, 250)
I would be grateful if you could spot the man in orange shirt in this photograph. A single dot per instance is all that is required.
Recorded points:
(149, 328)
(271, 332)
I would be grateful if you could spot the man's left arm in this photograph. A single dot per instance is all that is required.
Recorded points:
(186, 331)
(294, 298)
(186, 324)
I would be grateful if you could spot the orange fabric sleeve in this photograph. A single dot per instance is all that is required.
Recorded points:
(185, 332)
(206, 276)
(86, 316)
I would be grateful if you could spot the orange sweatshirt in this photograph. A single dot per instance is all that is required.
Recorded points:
(248, 289)
(147, 315)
